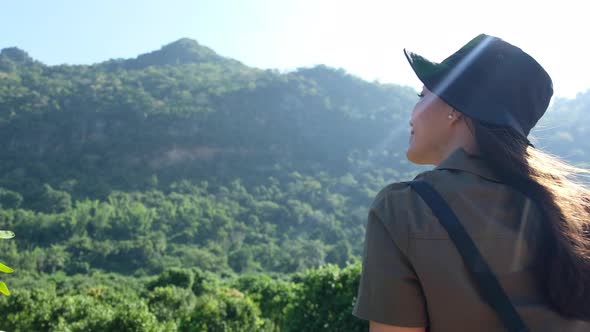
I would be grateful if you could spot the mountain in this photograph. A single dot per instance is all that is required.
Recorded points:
(564, 129)
(17, 55)
(181, 156)
(185, 112)
(182, 51)
(12, 57)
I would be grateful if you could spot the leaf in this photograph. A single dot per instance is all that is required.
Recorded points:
(3, 289)
(5, 269)
(6, 235)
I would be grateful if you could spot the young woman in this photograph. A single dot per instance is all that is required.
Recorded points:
(525, 210)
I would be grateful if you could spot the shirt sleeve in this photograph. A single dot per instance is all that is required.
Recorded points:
(389, 291)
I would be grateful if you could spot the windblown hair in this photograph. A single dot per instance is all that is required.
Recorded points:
(563, 263)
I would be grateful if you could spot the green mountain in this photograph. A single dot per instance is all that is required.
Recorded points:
(203, 155)
(182, 51)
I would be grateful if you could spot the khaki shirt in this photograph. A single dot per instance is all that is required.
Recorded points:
(413, 274)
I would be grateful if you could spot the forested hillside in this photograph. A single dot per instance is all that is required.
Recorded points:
(564, 129)
(182, 190)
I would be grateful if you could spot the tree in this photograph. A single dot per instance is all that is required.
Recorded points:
(171, 303)
(324, 301)
(225, 310)
(182, 278)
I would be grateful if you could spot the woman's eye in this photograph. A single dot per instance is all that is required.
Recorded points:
(421, 95)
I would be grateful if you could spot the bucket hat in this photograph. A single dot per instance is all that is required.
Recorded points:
(491, 81)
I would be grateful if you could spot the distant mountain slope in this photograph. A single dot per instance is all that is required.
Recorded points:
(182, 51)
(565, 129)
(184, 112)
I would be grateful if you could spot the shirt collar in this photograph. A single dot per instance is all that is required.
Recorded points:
(463, 161)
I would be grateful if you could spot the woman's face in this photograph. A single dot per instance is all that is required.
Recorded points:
(430, 129)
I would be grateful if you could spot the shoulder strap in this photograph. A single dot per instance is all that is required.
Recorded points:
(489, 287)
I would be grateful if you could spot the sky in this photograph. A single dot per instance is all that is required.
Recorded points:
(366, 38)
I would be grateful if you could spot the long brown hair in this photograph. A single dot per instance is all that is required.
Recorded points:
(563, 263)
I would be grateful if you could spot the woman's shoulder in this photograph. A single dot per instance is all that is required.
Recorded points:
(398, 194)
(401, 191)
(405, 214)
(401, 210)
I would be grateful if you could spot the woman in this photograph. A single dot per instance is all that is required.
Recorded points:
(522, 208)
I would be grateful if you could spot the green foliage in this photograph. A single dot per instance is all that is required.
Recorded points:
(27, 310)
(325, 300)
(133, 316)
(53, 201)
(272, 296)
(3, 268)
(285, 226)
(10, 199)
(79, 313)
(171, 303)
(315, 300)
(205, 282)
(182, 278)
(44, 310)
(226, 310)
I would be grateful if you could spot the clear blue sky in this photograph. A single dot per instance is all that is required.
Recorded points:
(365, 38)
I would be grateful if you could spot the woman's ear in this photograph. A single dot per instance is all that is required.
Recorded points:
(454, 114)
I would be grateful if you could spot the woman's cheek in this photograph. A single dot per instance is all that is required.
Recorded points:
(417, 149)
(416, 143)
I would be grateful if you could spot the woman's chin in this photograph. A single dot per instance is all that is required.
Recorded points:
(414, 156)
(410, 154)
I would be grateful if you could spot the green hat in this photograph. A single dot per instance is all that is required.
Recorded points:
(491, 81)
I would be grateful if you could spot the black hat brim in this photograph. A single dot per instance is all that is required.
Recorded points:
(428, 72)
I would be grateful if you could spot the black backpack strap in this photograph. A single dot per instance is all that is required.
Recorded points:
(489, 287)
